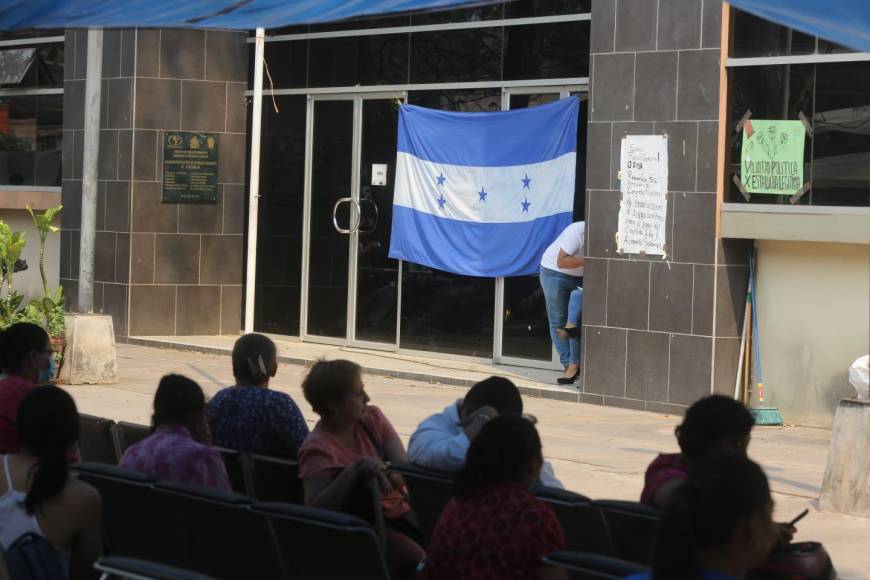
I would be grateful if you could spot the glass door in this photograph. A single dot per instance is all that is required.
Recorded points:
(351, 286)
(522, 328)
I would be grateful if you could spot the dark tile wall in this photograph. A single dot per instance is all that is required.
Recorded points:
(161, 269)
(648, 322)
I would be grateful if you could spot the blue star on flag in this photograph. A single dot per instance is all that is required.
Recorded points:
(482, 193)
(526, 181)
(526, 203)
(441, 201)
(441, 179)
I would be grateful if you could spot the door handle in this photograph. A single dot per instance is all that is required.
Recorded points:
(338, 203)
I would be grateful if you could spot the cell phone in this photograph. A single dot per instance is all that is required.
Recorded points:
(799, 517)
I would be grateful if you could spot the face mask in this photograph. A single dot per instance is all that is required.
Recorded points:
(46, 375)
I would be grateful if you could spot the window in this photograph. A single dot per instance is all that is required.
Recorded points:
(833, 97)
(31, 116)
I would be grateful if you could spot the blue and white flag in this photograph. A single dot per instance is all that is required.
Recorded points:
(483, 194)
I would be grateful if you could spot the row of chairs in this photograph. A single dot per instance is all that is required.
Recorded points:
(226, 534)
(618, 529)
(261, 477)
(609, 528)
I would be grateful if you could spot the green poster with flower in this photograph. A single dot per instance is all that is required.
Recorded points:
(772, 157)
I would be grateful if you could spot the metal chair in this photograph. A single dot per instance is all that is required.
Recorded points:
(585, 530)
(632, 528)
(98, 440)
(276, 479)
(135, 569)
(131, 434)
(135, 522)
(583, 566)
(228, 540)
(429, 490)
(319, 543)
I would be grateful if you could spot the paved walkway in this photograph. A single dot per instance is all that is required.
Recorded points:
(598, 451)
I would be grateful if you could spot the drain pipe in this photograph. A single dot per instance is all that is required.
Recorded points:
(93, 89)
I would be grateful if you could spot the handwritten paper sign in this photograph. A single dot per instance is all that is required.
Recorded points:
(772, 156)
(643, 210)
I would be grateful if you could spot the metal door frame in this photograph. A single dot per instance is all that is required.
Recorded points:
(353, 237)
(564, 92)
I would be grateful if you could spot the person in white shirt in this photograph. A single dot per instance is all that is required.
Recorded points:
(561, 273)
(441, 441)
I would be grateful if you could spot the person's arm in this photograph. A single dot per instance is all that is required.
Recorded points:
(438, 445)
(569, 262)
(332, 493)
(87, 544)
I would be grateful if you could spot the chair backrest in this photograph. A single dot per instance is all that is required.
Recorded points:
(429, 490)
(632, 527)
(276, 479)
(238, 470)
(319, 543)
(98, 440)
(135, 569)
(583, 566)
(228, 539)
(582, 522)
(131, 434)
(135, 522)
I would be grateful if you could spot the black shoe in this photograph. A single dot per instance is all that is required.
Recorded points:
(568, 380)
(566, 332)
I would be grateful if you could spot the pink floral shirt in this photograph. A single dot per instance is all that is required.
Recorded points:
(170, 453)
(664, 468)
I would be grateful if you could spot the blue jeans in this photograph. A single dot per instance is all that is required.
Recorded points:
(558, 288)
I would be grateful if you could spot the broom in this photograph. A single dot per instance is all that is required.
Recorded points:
(763, 415)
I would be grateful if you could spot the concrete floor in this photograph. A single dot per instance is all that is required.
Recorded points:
(601, 452)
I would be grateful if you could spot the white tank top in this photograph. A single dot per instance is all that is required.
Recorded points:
(14, 519)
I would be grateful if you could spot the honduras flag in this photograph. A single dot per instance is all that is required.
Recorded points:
(483, 194)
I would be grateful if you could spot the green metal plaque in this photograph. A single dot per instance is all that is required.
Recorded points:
(190, 167)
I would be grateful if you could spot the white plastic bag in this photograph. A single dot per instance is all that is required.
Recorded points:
(859, 376)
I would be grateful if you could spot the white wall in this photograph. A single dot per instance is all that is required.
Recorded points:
(29, 282)
(814, 320)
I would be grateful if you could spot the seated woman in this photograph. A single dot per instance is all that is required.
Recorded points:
(351, 442)
(250, 417)
(712, 423)
(38, 498)
(494, 527)
(718, 525)
(26, 360)
(178, 448)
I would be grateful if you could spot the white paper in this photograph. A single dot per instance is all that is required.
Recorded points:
(643, 210)
(379, 173)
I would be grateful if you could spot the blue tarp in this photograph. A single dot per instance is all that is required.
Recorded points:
(238, 14)
(845, 22)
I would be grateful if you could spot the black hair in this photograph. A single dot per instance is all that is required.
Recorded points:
(18, 341)
(48, 426)
(710, 421)
(254, 358)
(328, 382)
(496, 392)
(500, 453)
(723, 489)
(177, 399)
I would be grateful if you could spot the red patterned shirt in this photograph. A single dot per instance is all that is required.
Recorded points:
(664, 468)
(502, 531)
(170, 453)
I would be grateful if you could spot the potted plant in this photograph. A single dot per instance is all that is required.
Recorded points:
(50, 309)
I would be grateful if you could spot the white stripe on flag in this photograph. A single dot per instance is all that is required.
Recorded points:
(550, 189)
